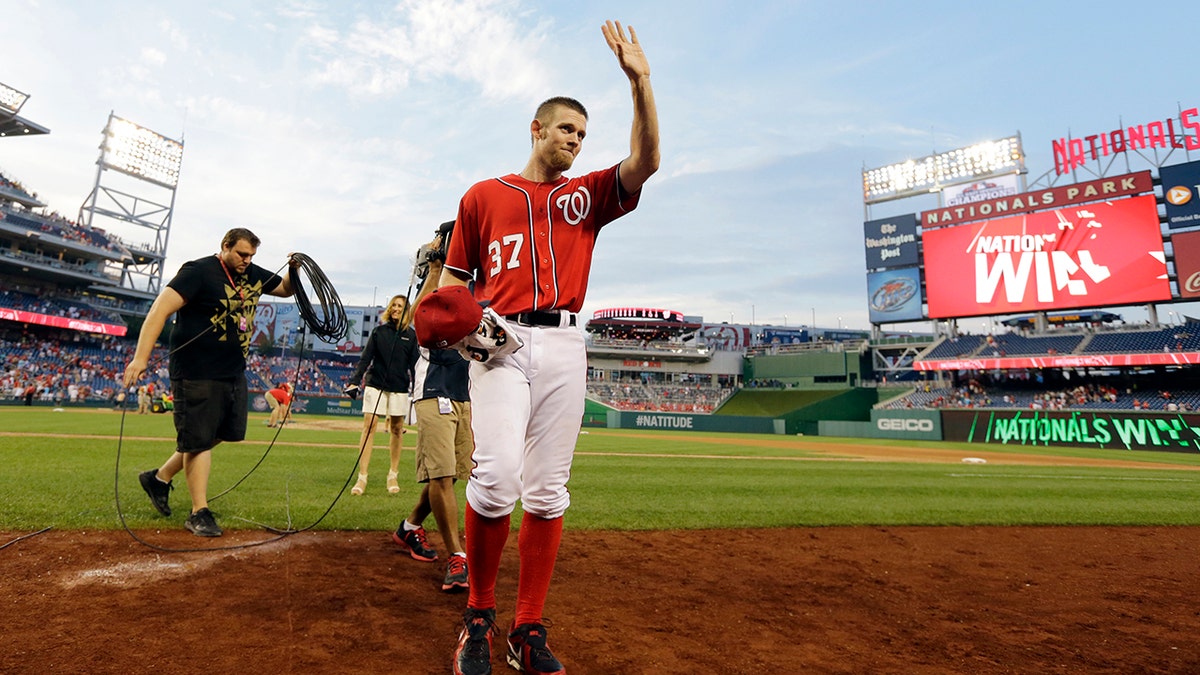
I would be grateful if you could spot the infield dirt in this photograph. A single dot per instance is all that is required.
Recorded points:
(824, 600)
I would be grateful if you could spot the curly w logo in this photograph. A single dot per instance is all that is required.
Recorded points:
(575, 206)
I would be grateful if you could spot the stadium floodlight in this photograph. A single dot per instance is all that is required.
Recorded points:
(139, 152)
(930, 174)
(11, 100)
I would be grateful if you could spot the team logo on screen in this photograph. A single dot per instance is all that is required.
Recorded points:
(1179, 195)
(892, 295)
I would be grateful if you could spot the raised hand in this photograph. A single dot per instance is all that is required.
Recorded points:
(628, 50)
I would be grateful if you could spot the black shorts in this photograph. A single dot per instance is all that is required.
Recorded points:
(208, 412)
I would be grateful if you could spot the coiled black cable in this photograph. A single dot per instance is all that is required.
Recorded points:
(332, 323)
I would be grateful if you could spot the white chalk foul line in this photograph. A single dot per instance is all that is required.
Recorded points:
(1049, 476)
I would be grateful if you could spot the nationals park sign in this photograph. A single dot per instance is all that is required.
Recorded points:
(1072, 153)
(1050, 198)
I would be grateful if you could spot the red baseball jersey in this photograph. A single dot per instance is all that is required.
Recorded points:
(529, 245)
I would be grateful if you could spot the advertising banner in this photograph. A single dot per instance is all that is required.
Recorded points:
(727, 336)
(894, 295)
(279, 324)
(1187, 263)
(1172, 358)
(923, 425)
(1166, 432)
(992, 188)
(682, 422)
(1092, 255)
(784, 336)
(891, 242)
(1181, 194)
(22, 316)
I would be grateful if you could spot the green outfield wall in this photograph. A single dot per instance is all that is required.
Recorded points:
(809, 369)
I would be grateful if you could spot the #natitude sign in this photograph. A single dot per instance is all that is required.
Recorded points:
(1090, 255)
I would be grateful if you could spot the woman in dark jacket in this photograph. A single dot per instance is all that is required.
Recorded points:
(387, 361)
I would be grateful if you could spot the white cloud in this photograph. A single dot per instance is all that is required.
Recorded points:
(479, 42)
(174, 34)
(153, 57)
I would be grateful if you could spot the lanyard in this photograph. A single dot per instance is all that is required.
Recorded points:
(241, 293)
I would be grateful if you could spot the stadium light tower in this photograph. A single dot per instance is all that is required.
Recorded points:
(11, 100)
(11, 124)
(153, 162)
(928, 174)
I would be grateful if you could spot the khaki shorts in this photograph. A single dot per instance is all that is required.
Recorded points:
(385, 403)
(444, 440)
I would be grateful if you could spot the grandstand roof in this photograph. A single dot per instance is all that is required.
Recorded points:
(13, 126)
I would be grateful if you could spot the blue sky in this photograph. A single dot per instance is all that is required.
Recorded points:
(349, 130)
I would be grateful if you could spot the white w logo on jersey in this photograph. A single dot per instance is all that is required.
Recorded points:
(575, 206)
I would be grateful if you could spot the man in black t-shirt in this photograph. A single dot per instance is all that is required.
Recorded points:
(214, 299)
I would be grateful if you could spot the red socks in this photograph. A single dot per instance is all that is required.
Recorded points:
(538, 542)
(486, 538)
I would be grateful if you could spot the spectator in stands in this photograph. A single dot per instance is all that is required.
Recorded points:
(214, 301)
(280, 401)
(387, 361)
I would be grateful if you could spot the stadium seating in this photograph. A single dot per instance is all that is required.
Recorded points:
(55, 306)
(664, 397)
(957, 347)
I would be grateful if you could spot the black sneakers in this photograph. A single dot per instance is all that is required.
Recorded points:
(528, 653)
(203, 524)
(415, 542)
(456, 575)
(158, 491)
(474, 653)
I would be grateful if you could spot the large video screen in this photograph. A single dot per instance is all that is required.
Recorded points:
(1090, 255)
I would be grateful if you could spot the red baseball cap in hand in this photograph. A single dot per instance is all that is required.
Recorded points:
(446, 316)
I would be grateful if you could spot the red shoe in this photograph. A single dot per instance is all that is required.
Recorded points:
(456, 575)
(415, 542)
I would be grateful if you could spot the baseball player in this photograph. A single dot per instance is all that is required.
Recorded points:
(526, 240)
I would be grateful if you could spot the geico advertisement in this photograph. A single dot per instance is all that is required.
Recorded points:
(1119, 431)
(1091, 255)
(908, 424)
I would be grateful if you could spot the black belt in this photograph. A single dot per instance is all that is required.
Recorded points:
(552, 319)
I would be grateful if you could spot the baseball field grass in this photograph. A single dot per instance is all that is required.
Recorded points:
(77, 469)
